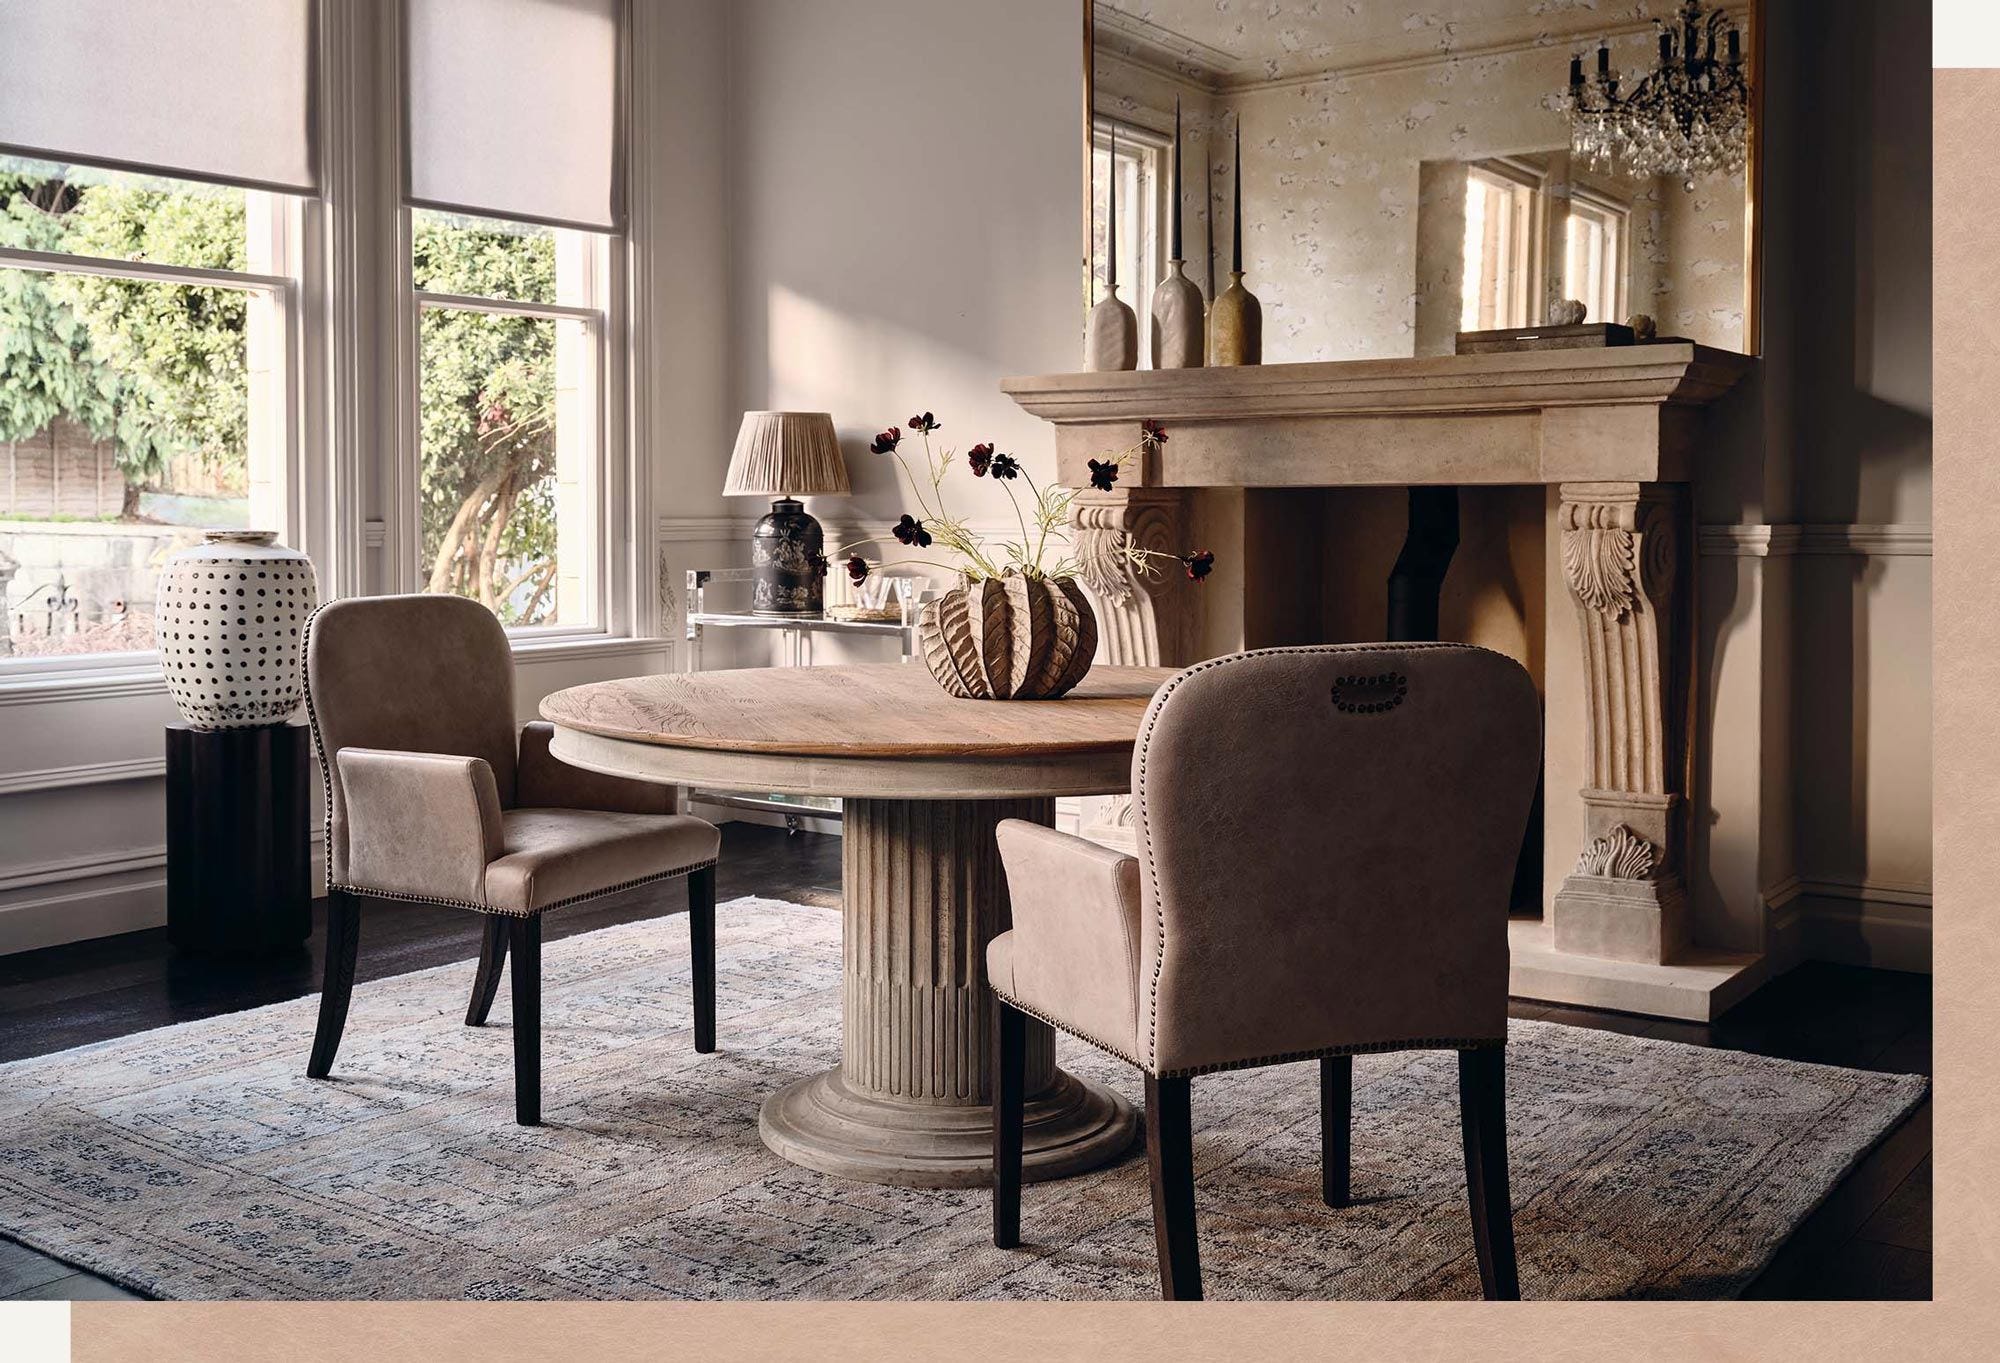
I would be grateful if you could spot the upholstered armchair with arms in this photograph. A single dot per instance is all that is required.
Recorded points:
(1326, 842)
(435, 795)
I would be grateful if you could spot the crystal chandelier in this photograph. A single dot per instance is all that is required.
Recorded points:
(1689, 118)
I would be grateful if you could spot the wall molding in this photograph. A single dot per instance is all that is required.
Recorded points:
(119, 683)
(1869, 541)
(1820, 538)
(83, 774)
(1747, 541)
(85, 866)
(706, 529)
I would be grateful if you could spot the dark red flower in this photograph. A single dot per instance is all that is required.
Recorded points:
(1103, 473)
(979, 456)
(1199, 564)
(857, 567)
(909, 531)
(1004, 466)
(1152, 434)
(886, 442)
(925, 423)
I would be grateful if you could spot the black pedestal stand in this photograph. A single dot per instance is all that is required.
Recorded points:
(239, 870)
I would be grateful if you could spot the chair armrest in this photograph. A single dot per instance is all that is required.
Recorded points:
(419, 823)
(1075, 950)
(545, 781)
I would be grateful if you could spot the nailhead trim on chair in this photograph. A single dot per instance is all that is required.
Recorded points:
(1424, 1043)
(1159, 916)
(532, 913)
(1104, 1046)
(1427, 1043)
(319, 746)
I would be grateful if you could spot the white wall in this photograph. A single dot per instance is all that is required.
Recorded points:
(1857, 393)
(905, 224)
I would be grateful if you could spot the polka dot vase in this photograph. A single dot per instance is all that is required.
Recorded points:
(231, 614)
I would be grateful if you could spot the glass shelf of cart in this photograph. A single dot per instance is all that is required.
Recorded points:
(909, 595)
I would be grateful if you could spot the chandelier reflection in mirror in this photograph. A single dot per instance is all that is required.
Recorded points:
(1689, 118)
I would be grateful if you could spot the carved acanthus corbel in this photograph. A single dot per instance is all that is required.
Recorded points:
(1620, 854)
(1597, 555)
(1139, 623)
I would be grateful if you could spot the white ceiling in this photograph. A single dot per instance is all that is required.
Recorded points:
(1234, 42)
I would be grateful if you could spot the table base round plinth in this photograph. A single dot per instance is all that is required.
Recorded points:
(824, 1124)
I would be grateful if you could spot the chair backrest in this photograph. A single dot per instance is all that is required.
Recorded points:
(1328, 839)
(410, 674)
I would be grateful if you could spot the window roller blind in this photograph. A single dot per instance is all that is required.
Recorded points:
(206, 89)
(514, 109)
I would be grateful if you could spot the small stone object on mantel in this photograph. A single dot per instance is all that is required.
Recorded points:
(1570, 312)
(1583, 336)
(1644, 328)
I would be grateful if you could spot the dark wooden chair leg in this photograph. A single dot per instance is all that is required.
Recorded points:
(1482, 1114)
(486, 984)
(1010, 1066)
(1336, 1118)
(343, 941)
(1170, 1158)
(524, 942)
(701, 933)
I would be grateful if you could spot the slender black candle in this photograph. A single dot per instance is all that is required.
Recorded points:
(1576, 73)
(1111, 220)
(1177, 178)
(1236, 246)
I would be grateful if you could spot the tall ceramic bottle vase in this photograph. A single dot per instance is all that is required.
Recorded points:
(1236, 322)
(1111, 336)
(1177, 302)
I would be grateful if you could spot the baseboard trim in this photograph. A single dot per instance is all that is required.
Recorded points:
(1881, 924)
(99, 894)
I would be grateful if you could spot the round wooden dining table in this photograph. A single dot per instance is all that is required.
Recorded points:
(924, 777)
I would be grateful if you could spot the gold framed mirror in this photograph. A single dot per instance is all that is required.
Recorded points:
(1409, 175)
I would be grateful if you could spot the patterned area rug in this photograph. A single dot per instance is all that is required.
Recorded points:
(198, 1161)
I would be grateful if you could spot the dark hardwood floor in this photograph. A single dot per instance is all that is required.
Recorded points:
(1870, 1240)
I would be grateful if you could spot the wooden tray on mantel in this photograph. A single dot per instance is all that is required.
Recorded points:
(1582, 336)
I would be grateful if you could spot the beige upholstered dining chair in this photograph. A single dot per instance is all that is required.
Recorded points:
(434, 795)
(1327, 837)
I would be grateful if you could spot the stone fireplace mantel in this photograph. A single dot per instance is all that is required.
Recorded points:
(1618, 431)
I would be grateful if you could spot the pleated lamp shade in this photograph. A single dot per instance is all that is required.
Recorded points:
(786, 454)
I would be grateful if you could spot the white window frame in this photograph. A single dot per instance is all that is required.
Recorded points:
(594, 315)
(1602, 206)
(626, 608)
(1527, 266)
(1156, 178)
(282, 286)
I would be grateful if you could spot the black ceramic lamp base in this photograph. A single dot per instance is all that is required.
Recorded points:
(788, 555)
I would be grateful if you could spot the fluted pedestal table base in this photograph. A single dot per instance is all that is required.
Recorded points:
(924, 893)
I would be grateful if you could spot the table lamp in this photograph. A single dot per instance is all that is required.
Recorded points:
(787, 455)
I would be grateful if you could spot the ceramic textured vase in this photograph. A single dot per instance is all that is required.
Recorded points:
(230, 617)
(1010, 638)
